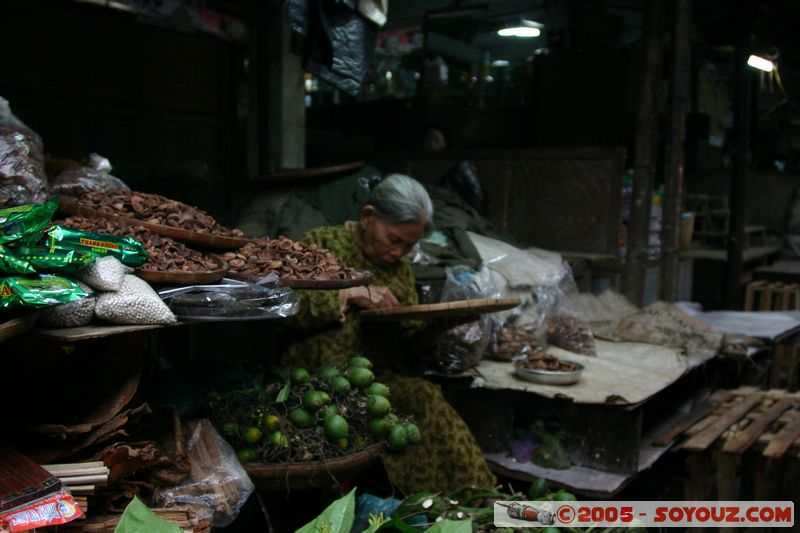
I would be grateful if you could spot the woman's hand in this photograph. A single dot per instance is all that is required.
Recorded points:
(370, 297)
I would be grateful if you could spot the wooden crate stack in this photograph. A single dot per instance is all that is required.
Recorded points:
(764, 295)
(742, 444)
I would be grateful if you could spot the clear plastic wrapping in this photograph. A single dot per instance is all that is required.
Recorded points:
(463, 346)
(563, 318)
(75, 181)
(217, 482)
(105, 274)
(22, 176)
(231, 300)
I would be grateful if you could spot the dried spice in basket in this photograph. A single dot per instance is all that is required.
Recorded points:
(165, 254)
(513, 341)
(288, 259)
(155, 209)
(571, 334)
(545, 361)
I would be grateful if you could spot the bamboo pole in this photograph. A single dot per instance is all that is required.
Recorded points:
(645, 157)
(674, 172)
(741, 127)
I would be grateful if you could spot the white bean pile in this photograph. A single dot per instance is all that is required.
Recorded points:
(105, 274)
(135, 303)
(71, 314)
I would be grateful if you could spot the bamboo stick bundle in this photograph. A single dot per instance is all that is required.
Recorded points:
(80, 478)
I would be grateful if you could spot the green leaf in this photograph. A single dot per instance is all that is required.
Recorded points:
(336, 518)
(396, 526)
(451, 526)
(283, 395)
(375, 522)
(138, 518)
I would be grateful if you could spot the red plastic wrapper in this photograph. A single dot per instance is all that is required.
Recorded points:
(53, 510)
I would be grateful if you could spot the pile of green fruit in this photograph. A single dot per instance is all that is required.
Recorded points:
(330, 413)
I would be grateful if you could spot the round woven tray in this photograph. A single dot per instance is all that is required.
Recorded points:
(70, 206)
(459, 308)
(14, 326)
(179, 277)
(315, 284)
(311, 474)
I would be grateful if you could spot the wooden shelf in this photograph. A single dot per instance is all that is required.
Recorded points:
(93, 331)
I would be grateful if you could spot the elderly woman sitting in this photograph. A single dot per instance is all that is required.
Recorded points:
(397, 214)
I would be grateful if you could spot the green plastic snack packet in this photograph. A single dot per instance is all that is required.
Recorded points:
(11, 264)
(38, 292)
(128, 250)
(54, 260)
(25, 221)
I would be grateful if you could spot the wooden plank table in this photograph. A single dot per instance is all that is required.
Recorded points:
(92, 331)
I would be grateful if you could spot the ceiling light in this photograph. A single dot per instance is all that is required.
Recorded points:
(501, 63)
(760, 63)
(520, 31)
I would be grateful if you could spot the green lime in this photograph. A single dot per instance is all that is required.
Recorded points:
(301, 418)
(360, 377)
(398, 437)
(413, 432)
(271, 422)
(327, 372)
(230, 428)
(563, 496)
(339, 384)
(336, 427)
(378, 405)
(279, 439)
(246, 455)
(330, 409)
(538, 488)
(251, 435)
(378, 426)
(378, 389)
(299, 375)
(359, 362)
(391, 419)
(550, 529)
(343, 443)
(359, 442)
(314, 399)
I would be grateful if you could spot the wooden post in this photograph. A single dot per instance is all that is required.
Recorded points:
(673, 178)
(644, 165)
(741, 119)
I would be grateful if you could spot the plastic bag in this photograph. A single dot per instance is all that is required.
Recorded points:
(135, 303)
(105, 274)
(127, 249)
(22, 176)
(564, 319)
(75, 181)
(231, 299)
(38, 292)
(72, 314)
(463, 346)
(26, 221)
(218, 481)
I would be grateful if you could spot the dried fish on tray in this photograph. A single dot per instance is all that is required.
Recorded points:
(296, 264)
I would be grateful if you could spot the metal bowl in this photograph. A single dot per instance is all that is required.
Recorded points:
(550, 377)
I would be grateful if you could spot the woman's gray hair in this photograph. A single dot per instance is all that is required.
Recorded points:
(399, 199)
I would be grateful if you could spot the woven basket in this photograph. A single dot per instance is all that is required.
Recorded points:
(311, 474)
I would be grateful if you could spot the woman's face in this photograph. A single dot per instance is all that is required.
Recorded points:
(383, 242)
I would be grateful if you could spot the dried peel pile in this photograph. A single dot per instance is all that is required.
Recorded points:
(545, 361)
(288, 259)
(155, 209)
(165, 254)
